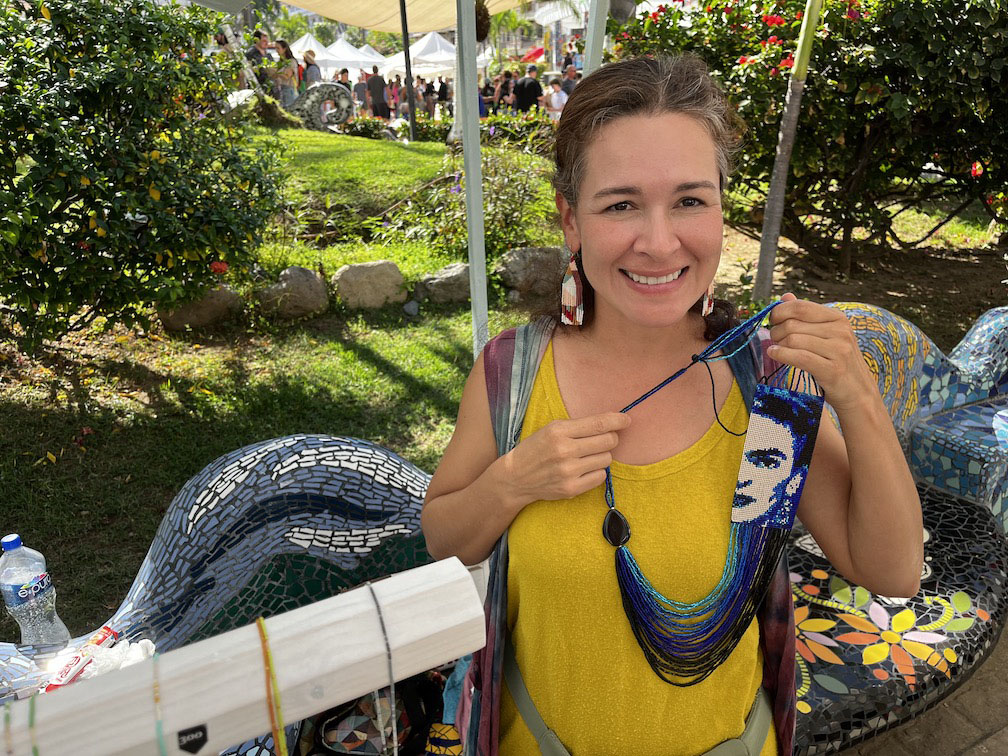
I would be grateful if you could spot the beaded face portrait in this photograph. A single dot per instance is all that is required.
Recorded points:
(775, 460)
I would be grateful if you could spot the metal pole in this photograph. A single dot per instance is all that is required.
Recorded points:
(409, 72)
(466, 94)
(597, 14)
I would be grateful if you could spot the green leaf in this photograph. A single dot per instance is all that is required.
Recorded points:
(959, 624)
(961, 602)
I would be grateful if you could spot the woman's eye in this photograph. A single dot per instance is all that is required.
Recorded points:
(619, 206)
(692, 202)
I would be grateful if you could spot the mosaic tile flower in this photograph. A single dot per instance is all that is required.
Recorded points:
(896, 638)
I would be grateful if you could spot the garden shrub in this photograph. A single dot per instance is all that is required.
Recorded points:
(903, 104)
(515, 200)
(427, 129)
(365, 126)
(123, 185)
(531, 132)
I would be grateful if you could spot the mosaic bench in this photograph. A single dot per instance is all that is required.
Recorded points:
(285, 522)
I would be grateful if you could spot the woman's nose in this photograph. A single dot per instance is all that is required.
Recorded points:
(659, 235)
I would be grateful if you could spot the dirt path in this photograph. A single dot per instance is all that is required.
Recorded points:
(941, 290)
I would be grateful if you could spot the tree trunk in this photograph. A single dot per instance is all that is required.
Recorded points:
(846, 249)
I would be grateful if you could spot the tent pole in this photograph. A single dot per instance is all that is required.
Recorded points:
(466, 94)
(597, 14)
(411, 100)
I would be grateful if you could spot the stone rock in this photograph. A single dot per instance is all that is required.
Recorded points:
(450, 284)
(532, 271)
(412, 308)
(210, 309)
(369, 285)
(298, 293)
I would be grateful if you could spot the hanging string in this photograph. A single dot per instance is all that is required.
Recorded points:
(391, 677)
(8, 738)
(158, 714)
(31, 724)
(272, 692)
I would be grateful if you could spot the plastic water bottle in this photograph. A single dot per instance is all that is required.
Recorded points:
(29, 594)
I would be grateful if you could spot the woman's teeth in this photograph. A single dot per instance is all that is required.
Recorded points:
(652, 280)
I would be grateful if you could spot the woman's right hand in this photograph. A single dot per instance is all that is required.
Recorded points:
(565, 458)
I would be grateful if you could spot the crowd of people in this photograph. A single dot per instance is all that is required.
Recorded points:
(387, 99)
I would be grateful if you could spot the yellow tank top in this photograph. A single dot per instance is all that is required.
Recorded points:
(576, 651)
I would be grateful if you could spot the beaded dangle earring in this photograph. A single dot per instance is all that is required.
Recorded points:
(707, 307)
(571, 294)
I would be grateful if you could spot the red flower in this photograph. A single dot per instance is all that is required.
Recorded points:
(773, 40)
(654, 17)
(708, 9)
(219, 267)
(788, 62)
(743, 60)
(854, 15)
(798, 15)
(763, 43)
(773, 72)
(976, 169)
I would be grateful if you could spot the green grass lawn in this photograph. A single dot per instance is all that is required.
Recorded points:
(161, 409)
(367, 174)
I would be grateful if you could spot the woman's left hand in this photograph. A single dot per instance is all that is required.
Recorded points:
(820, 341)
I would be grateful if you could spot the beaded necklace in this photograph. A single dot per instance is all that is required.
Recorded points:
(684, 642)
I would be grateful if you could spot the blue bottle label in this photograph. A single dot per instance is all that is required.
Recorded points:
(16, 595)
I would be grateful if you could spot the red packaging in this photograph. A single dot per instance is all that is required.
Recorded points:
(69, 672)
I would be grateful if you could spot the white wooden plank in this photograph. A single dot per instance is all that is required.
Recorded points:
(324, 654)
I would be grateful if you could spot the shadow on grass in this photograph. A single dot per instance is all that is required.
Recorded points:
(96, 509)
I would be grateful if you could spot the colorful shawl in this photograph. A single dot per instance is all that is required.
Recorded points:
(511, 361)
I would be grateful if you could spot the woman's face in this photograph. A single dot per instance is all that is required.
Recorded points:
(648, 220)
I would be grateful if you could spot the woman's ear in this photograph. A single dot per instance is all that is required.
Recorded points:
(568, 223)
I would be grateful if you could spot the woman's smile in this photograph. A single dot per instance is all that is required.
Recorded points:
(655, 282)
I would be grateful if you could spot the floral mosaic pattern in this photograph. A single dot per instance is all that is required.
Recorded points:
(867, 662)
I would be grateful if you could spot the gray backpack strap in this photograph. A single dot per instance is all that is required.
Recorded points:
(549, 743)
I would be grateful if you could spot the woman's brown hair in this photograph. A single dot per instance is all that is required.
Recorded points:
(644, 86)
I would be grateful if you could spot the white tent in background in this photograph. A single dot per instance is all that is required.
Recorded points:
(342, 54)
(308, 42)
(372, 55)
(431, 55)
(322, 59)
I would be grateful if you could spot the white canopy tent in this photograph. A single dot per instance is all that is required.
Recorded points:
(431, 55)
(344, 55)
(322, 59)
(372, 54)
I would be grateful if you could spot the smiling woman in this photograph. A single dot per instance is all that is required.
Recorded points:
(551, 462)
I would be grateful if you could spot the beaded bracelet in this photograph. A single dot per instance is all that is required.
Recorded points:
(158, 718)
(8, 738)
(272, 692)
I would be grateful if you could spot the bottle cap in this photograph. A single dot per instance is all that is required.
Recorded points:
(11, 542)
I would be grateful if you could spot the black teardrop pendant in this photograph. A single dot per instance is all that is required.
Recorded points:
(615, 528)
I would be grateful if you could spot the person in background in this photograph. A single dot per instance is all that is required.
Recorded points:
(528, 92)
(344, 79)
(396, 91)
(360, 92)
(451, 98)
(555, 100)
(379, 95)
(312, 73)
(256, 55)
(503, 99)
(489, 93)
(569, 80)
(286, 75)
